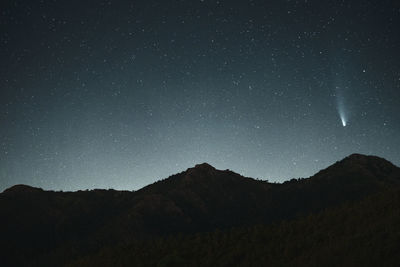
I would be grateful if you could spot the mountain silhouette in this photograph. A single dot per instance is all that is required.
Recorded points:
(21, 188)
(37, 224)
(360, 233)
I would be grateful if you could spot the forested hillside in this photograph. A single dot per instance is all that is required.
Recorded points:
(365, 233)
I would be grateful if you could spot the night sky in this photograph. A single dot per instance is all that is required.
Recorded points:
(119, 94)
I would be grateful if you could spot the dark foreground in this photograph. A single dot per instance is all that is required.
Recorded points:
(345, 215)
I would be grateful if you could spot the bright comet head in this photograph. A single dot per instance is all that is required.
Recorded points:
(342, 115)
(343, 119)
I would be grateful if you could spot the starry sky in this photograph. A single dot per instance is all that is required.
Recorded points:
(119, 94)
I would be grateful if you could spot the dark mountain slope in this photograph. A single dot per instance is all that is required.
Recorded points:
(203, 198)
(207, 198)
(357, 165)
(36, 222)
(350, 179)
(361, 233)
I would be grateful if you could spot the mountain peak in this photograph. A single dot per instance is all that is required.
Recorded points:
(357, 156)
(357, 165)
(361, 159)
(201, 169)
(204, 166)
(21, 188)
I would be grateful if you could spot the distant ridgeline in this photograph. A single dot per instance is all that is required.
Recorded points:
(346, 215)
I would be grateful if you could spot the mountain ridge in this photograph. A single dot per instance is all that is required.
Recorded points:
(206, 168)
(199, 199)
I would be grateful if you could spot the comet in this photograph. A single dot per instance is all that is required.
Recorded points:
(341, 108)
(343, 119)
(342, 113)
